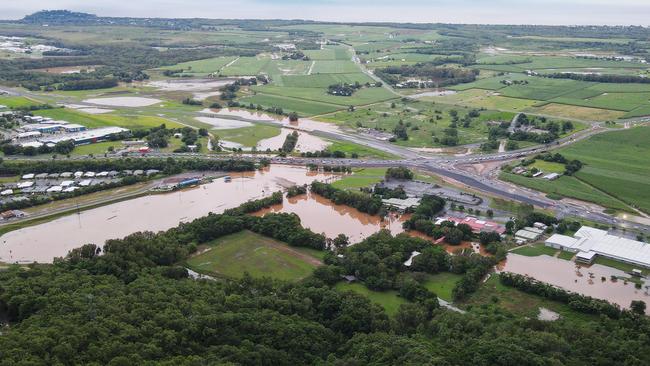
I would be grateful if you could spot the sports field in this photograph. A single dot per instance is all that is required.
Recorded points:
(259, 256)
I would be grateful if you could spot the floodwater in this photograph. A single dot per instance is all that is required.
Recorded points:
(438, 93)
(323, 216)
(223, 123)
(306, 142)
(304, 124)
(44, 242)
(124, 101)
(87, 109)
(190, 84)
(583, 280)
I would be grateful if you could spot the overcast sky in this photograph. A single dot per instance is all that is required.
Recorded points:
(613, 12)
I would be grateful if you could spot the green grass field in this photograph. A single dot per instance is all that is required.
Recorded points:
(248, 136)
(17, 102)
(535, 250)
(360, 97)
(389, 300)
(425, 120)
(201, 67)
(616, 163)
(548, 167)
(567, 187)
(102, 120)
(364, 152)
(493, 294)
(335, 67)
(246, 66)
(96, 149)
(302, 107)
(361, 177)
(247, 252)
(324, 80)
(442, 284)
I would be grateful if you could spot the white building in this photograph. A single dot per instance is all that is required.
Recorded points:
(589, 242)
(402, 204)
(528, 234)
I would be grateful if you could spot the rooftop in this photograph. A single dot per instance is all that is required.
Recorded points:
(589, 239)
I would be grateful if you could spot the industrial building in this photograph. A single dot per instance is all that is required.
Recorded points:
(85, 137)
(478, 226)
(528, 234)
(589, 242)
(401, 204)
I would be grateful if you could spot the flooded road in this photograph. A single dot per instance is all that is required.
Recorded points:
(323, 216)
(44, 242)
(583, 280)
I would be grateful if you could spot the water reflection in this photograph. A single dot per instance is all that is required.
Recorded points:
(304, 124)
(595, 280)
(306, 142)
(323, 216)
(46, 241)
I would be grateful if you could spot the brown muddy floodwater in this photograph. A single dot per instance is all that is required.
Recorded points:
(323, 216)
(304, 124)
(306, 142)
(583, 280)
(44, 242)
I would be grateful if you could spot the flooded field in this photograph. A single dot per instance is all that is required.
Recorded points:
(201, 88)
(44, 242)
(594, 281)
(306, 142)
(189, 84)
(304, 124)
(438, 93)
(323, 216)
(124, 101)
(223, 123)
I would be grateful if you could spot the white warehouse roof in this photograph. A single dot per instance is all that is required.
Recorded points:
(600, 242)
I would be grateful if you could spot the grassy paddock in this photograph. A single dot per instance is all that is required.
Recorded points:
(248, 252)
(442, 284)
(493, 294)
(389, 300)
(248, 136)
(361, 177)
(103, 120)
(535, 250)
